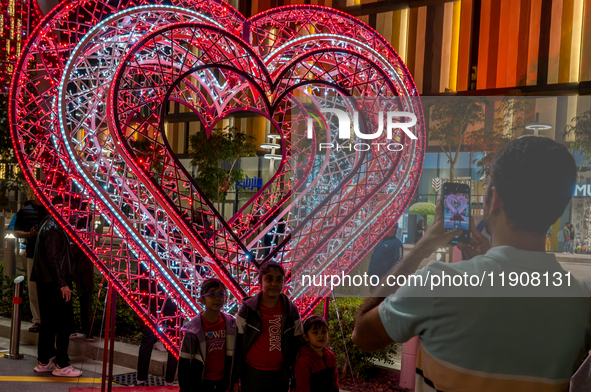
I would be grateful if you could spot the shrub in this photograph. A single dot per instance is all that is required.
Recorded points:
(362, 362)
(127, 326)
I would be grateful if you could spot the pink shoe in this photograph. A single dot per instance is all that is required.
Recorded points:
(41, 368)
(68, 371)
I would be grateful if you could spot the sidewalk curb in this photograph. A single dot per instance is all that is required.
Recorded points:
(125, 354)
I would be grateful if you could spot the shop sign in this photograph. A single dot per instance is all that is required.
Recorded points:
(460, 180)
(250, 183)
(582, 190)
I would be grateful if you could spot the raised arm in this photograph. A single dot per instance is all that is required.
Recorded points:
(369, 333)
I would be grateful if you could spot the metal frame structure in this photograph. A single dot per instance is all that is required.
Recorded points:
(87, 105)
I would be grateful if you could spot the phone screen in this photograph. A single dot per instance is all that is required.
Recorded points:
(456, 210)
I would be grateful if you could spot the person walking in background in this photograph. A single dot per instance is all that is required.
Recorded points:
(149, 296)
(52, 272)
(386, 254)
(572, 238)
(26, 225)
(420, 230)
(149, 339)
(83, 271)
(566, 235)
(275, 235)
(207, 350)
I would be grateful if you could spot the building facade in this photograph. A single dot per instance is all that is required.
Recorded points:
(471, 47)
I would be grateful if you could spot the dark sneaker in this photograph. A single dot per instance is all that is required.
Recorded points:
(35, 328)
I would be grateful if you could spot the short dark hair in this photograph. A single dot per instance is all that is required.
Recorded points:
(266, 266)
(314, 321)
(535, 178)
(210, 284)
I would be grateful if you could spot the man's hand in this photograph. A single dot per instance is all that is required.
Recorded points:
(66, 293)
(478, 245)
(236, 388)
(436, 237)
(369, 333)
(33, 232)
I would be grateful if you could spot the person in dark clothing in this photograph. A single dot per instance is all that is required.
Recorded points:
(572, 238)
(83, 271)
(269, 336)
(207, 351)
(26, 225)
(275, 235)
(316, 366)
(201, 224)
(420, 230)
(566, 234)
(387, 253)
(145, 352)
(148, 288)
(53, 275)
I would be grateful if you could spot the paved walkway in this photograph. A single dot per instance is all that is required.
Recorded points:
(573, 257)
(18, 374)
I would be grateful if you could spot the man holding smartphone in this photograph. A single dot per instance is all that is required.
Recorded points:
(493, 340)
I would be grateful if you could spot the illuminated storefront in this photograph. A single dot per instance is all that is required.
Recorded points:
(580, 213)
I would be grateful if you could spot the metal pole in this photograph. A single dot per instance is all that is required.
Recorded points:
(326, 308)
(107, 336)
(15, 328)
(113, 294)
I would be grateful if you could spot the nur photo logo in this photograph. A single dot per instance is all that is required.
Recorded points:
(392, 122)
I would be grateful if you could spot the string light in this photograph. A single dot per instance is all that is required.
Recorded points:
(97, 135)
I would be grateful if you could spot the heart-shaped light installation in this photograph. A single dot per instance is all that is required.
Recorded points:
(88, 101)
(456, 205)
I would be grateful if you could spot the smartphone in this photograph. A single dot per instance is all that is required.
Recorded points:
(456, 210)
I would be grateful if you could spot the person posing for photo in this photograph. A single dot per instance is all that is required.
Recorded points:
(316, 366)
(269, 336)
(207, 350)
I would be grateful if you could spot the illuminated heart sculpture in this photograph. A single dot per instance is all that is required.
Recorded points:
(87, 121)
(456, 204)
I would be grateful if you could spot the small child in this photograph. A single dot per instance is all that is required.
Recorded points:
(207, 351)
(269, 336)
(316, 366)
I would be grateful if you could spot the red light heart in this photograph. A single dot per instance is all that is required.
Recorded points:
(126, 173)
